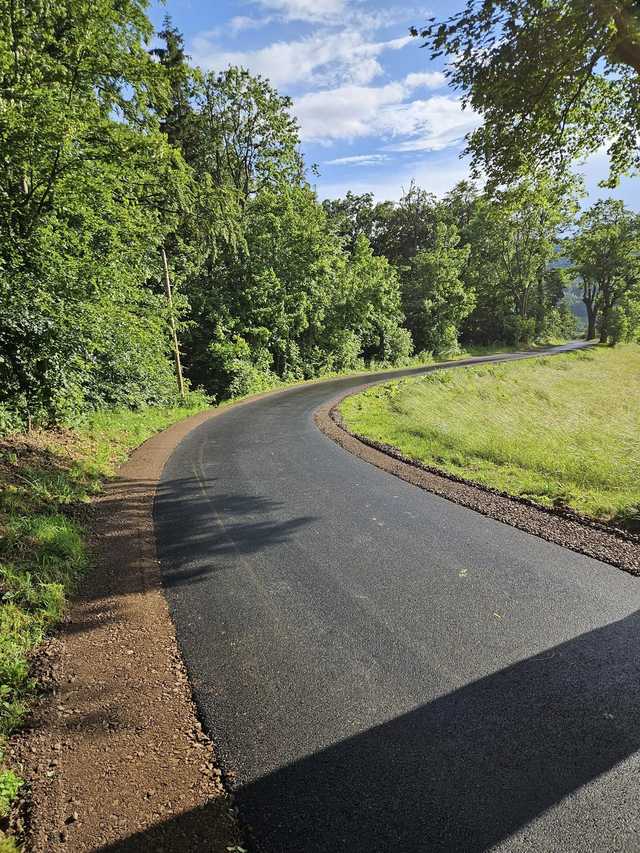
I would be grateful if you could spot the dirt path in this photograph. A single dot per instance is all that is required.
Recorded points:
(116, 758)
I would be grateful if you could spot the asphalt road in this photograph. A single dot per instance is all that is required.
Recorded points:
(383, 670)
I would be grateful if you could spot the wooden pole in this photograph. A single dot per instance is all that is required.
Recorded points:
(172, 321)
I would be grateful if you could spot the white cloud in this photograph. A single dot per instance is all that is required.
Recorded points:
(243, 22)
(359, 160)
(306, 10)
(348, 112)
(323, 58)
(338, 13)
(319, 59)
(427, 79)
(437, 176)
(432, 124)
(335, 66)
(352, 112)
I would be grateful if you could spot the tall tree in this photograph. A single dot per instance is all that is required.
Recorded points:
(435, 297)
(606, 256)
(352, 216)
(66, 71)
(175, 109)
(552, 79)
(514, 237)
(406, 227)
(85, 173)
(246, 134)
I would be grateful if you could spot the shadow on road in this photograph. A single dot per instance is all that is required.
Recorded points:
(461, 773)
(233, 524)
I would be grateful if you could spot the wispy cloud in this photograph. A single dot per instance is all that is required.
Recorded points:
(355, 112)
(341, 13)
(426, 80)
(314, 11)
(338, 73)
(437, 176)
(432, 124)
(322, 58)
(359, 160)
(240, 23)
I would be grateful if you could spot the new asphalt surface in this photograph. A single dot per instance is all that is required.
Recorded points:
(383, 670)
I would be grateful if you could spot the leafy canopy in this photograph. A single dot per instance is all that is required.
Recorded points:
(605, 252)
(552, 79)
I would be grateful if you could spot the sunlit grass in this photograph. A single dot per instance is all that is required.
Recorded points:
(560, 430)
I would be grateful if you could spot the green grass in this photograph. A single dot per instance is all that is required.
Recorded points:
(561, 430)
(47, 479)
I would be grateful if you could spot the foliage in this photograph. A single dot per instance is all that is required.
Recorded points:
(115, 153)
(514, 237)
(560, 430)
(85, 173)
(10, 784)
(293, 304)
(606, 257)
(498, 260)
(552, 79)
(436, 298)
(244, 134)
(8, 845)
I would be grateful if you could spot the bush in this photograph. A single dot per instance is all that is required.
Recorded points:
(238, 370)
(397, 345)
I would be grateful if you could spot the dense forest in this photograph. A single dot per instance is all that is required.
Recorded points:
(126, 171)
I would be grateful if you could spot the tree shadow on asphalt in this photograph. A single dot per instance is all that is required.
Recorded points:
(461, 773)
(197, 526)
(196, 529)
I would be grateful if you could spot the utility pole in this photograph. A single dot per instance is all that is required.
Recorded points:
(172, 321)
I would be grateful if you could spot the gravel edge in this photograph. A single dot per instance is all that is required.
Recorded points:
(560, 526)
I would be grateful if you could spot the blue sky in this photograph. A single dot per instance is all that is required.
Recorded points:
(374, 112)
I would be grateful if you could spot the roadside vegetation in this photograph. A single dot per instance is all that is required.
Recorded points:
(131, 172)
(561, 431)
(47, 480)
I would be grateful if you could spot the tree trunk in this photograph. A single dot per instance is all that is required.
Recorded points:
(591, 319)
(172, 323)
(604, 325)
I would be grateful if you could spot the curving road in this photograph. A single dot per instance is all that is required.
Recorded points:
(383, 670)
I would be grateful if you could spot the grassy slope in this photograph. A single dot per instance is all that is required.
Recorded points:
(46, 481)
(561, 430)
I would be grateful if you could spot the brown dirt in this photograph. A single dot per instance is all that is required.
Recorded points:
(114, 755)
(564, 527)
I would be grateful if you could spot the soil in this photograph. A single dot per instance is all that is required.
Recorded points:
(564, 527)
(114, 755)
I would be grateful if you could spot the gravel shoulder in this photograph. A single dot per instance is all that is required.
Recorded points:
(114, 756)
(608, 544)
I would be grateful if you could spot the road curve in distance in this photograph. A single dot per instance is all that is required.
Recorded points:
(384, 670)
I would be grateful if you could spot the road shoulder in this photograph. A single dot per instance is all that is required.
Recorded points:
(561, 527)
(115, 753)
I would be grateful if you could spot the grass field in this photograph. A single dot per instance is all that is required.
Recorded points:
(47, 479)
(561, 430)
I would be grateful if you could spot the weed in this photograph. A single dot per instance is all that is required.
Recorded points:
(10, 784)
